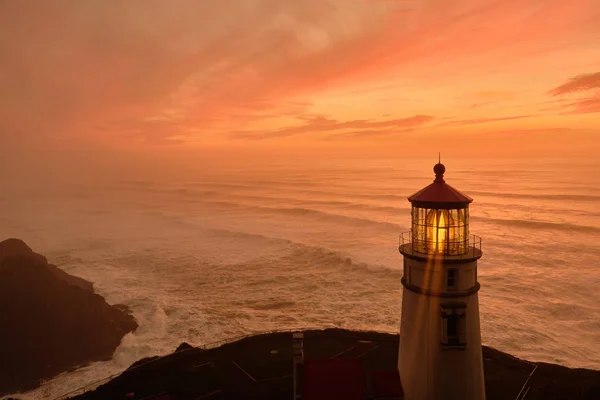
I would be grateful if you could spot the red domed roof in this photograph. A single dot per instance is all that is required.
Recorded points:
(439, 194)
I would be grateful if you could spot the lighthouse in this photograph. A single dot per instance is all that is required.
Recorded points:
(440, 354)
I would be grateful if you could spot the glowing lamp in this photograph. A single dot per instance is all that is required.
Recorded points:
(440, 218)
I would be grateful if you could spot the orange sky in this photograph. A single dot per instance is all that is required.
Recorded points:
(374, 77)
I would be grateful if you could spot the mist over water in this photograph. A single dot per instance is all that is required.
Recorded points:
(211, 253)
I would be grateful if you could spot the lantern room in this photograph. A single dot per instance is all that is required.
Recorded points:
(440, 218)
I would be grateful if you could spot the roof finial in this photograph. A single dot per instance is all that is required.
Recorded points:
(439, 170)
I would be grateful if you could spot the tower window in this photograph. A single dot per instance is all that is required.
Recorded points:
(451, 279)
(454, 325)
(452, 329)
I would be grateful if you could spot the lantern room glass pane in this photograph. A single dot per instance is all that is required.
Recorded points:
(440, 231)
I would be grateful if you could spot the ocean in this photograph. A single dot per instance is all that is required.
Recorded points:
(216, 252)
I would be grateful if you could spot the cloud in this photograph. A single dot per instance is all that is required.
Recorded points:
(579, 83)
(584, 106)
(583, 83)
(369, 133)
(75, 68)
(68, 67)
(320, 124)
(481, 120)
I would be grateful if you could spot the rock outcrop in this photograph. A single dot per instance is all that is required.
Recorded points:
(50, 321)
(183, 347)
(15, 247)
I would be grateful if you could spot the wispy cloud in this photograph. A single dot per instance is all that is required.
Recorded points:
(72, 65)
(320, 124)
(369, 133)
(585, 106)
(481, 120)
(580, 84)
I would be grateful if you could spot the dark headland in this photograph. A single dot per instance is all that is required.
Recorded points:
(66, 321)
(260, 367)
(50, 322)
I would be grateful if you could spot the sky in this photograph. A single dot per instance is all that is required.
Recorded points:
(374, 78)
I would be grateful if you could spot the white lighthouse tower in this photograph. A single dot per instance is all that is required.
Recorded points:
(440, 340)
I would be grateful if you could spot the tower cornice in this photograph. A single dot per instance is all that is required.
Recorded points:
(426, 292)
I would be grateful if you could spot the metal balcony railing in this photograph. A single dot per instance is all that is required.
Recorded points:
(470, 247)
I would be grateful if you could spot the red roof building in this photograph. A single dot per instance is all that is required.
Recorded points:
(348, 379)
(334, 379)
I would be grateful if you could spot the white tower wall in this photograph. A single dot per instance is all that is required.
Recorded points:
(432, 365)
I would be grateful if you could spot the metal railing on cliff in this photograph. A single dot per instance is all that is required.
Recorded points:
(93, 385)
(526, 386)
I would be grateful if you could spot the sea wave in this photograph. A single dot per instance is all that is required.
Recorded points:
(383, 202)
(318, 255)
(542, 225)
(251, 184)
(559, 197)
(337, 218)
(317, 215)
(363, 222)
(345, 201)
(340, 260)
(243, 190)
(270, 198)
(231, 234)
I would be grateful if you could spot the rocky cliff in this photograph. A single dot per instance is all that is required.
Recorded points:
(50, 321)
(260, 367)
